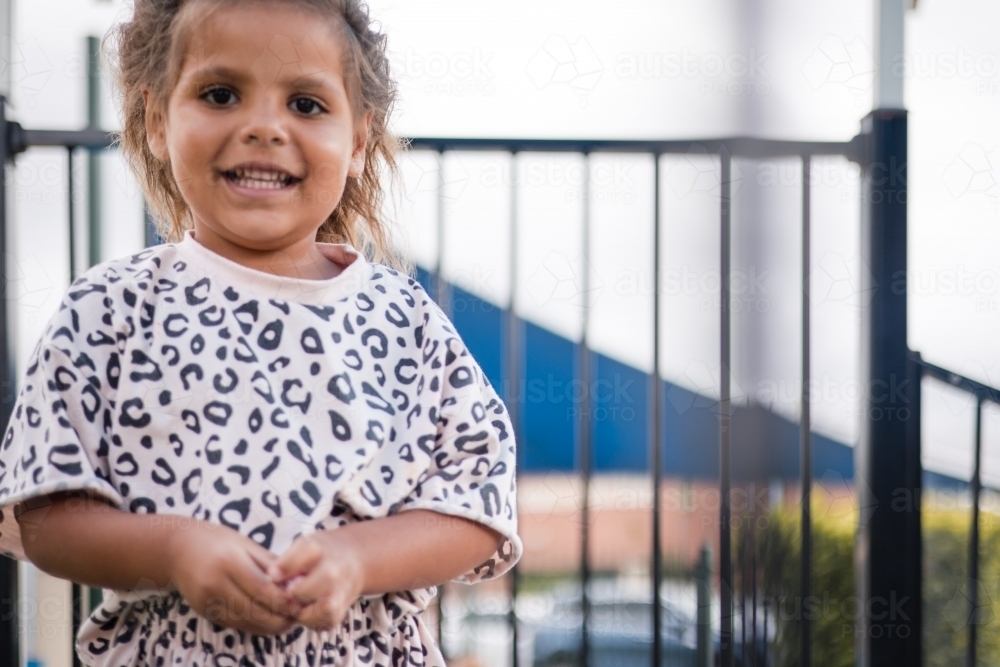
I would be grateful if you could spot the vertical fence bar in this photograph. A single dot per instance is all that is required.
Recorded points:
(656, 430)
(93, 157)
(94, 595)
(77, 597)
(9, 648)
(583, 423)
(441, 295)
(440, 286)
(70, 217)
(725, 544)
(805, 442)
(742, 563)
(753, 582)
(76, 589)
(513, 375)
(974, 612)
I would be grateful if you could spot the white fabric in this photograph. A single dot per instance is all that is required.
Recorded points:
(179, 382)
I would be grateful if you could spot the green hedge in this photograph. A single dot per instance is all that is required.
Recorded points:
(777, 547)
(832, 608)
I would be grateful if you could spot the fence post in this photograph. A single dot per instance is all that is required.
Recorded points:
(887, 461)
(9, 649)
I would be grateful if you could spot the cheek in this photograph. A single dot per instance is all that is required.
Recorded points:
(328, 158)
(329, 173)
(192, 145)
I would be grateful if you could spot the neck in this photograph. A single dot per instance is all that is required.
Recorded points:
(292, 258)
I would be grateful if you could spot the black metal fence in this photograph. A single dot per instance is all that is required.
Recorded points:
(876, 149)
(726, 150)
(983, 394)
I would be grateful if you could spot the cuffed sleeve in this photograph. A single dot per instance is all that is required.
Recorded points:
(471, 474)
(457, 456)
(56, 438)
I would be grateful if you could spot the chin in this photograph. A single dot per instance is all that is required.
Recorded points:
(260, 231)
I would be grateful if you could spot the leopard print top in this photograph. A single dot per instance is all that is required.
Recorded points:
(178, 382)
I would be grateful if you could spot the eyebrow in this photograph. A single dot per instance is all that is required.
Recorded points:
(307, 81)
(312, 82)
(220, 71)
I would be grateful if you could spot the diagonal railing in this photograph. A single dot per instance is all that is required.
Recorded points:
(983, 394)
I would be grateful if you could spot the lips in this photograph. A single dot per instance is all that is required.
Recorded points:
(260, 176)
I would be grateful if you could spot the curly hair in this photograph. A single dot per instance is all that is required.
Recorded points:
(146, 52)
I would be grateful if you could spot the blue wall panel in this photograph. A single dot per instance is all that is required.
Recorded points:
(480, 324)
(619, 410)
(549, 424)
(764, 445)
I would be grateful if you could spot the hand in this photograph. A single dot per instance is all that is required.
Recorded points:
(222, 575)
(324, 572)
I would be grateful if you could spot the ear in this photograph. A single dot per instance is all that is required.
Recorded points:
(156, 135)
(357, 166)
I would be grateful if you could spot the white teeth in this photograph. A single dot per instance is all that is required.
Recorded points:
(259, 179)
(259, 175)
(259, 184)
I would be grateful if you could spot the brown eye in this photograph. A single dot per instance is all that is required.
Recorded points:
(219, 96)
(307, 106)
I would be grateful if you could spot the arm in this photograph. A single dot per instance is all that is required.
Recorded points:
(219, 572)
(412, 549)
(79, 537)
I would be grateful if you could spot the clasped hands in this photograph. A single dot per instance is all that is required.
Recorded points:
(232, 580)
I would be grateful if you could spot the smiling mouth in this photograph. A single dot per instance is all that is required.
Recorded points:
(260, 179)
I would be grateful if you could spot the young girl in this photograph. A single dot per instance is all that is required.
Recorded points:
(267, 448)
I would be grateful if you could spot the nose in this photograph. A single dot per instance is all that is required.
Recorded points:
(265, 125)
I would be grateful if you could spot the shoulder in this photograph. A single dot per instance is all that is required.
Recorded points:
(106, 298)
(444, 353)
(405, 295)
(114, 277)
(391, 283)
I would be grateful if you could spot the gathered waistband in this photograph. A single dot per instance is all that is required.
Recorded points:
(164, 631)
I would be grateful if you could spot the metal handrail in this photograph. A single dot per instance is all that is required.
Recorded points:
(738, 146)
(980, 390)
(19, 139)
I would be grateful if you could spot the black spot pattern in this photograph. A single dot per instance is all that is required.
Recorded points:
(343, 400)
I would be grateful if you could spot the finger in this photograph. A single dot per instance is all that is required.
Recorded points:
(232, 608)
(300, 558)
(309, 588)
(324, 614)
(325, 596)
(262, 624)
(261, 556)
(258, 586)
(264, 621)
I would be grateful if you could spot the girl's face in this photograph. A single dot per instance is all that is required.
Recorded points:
(259, 129)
